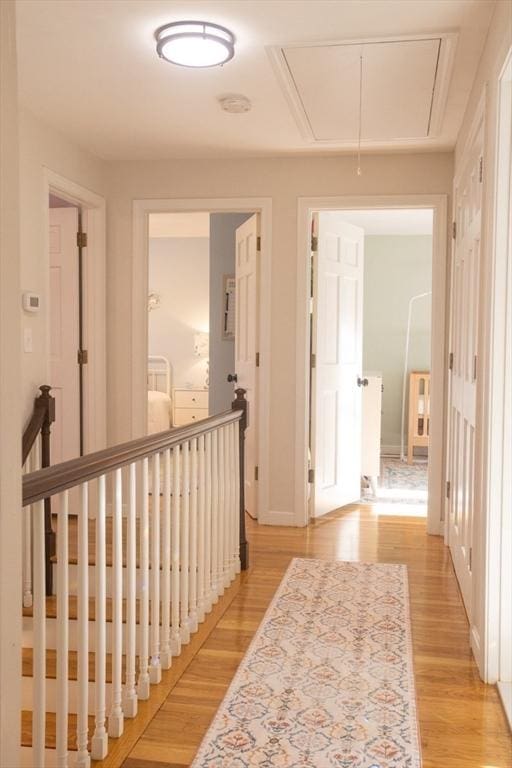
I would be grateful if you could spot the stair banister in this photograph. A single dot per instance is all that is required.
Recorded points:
(169, 531)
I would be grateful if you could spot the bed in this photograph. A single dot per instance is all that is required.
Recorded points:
(159, 379)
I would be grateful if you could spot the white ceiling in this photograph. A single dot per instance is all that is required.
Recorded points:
(89, 67)
(410, 221)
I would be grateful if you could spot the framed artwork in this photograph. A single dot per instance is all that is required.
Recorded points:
(228, 324)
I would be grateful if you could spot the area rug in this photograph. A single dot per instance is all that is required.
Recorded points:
(399, 483)
(327, 680)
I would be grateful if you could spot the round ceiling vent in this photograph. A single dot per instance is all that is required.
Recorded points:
(235, 103)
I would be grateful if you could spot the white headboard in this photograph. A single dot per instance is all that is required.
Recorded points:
(159, 374)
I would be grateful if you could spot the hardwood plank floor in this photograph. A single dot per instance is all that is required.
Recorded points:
(462, 724)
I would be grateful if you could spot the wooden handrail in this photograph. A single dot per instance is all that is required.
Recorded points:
(47, 482)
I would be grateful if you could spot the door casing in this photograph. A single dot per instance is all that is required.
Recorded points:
(139, 332)
(306, 208)
(92, 206)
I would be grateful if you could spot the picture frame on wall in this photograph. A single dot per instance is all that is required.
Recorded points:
(229, 298)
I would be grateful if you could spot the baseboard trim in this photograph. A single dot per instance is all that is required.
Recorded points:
(505, 692)
(278, 517)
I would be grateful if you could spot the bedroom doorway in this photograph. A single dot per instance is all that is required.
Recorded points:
(202, 343)
(370, 359)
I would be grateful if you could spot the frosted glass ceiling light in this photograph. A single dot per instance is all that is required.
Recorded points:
(195, 44)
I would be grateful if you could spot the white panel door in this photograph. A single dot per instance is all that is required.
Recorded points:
(64, 340)
(463, 347)
(337, 347)
(246, 344)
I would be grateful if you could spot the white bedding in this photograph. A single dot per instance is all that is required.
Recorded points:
(159, 411)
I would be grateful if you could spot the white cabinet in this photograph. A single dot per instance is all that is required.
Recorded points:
(189, 405)
(372, 414)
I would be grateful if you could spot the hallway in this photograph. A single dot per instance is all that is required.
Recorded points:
(462, 724)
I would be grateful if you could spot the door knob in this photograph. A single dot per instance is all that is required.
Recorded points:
(232, 377)
(362, 382)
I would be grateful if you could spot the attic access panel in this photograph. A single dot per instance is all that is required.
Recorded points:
(399, 85)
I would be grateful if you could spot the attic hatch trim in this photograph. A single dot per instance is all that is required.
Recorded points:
(442, 80)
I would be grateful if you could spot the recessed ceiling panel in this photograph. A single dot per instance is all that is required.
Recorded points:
(398, 84)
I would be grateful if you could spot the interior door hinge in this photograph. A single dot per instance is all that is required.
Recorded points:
(256, 472)
(81, 239)
(475, 362)
(258, 243)
(82, 357)
(257, 359)
(311, 475)
(481, 170)
(314, 243)
(471, 558)
(448, 489)
(454, 230)
(450, 361)
(313, 360)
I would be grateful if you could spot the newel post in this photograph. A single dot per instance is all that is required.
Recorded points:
(47, 402)
(241, 404)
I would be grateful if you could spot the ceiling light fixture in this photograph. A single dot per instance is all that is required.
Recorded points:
(195, 44)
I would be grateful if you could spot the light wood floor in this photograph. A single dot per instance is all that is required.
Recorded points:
(462, 724)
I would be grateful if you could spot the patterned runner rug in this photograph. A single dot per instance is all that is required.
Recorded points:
(327, 680)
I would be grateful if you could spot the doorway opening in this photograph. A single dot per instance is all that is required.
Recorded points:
(370, 359)
(202, 342)
(76, 319)
(66, 355)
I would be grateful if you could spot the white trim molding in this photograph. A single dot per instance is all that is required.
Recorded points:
(436, 471)
(141, 211)
(92, 206)
(495, 655)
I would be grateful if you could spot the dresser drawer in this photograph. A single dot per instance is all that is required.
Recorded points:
(191, 398)
(184, 416)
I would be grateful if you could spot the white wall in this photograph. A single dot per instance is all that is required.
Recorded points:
(10, 443)
(396, 268)
(284, 180)
(484, 623)
(179, 273)
(223, 227)
(42, 147)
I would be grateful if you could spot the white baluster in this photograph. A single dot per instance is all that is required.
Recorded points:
(208, 590)
(237, 497)
(228, 523)
(175, 555)
(130, 692)
(165, 649)
(27, 557)
(39, 633)
(232, 496)
(221, 512)
(143, 682)
(155, 670)
(31, 465)
(193, 537)
(99, 744)
(83, 759)
(116, 720)
(62, 632)
(184, 544)
(201, 558)
(215, 518)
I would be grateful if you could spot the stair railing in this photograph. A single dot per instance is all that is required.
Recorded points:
(35, 454)
(177, 541)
